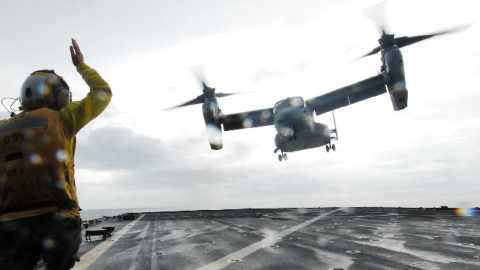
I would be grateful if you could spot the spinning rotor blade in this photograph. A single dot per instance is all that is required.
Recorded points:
(374, 51)
(208, 92)
(405, 41)
(198, 100)
(225, 94)
(199, 73)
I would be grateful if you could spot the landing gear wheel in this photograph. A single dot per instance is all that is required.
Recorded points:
(333, 147)
(285, 157)
(328, 148)
(280, 158)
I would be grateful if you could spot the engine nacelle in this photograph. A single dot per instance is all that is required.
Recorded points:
(393, 62)
(211, 113)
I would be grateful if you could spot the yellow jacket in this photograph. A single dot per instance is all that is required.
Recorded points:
(36, 184)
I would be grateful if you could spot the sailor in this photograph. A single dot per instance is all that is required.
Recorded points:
(39, 211)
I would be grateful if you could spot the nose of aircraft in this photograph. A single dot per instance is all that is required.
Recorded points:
(285, 121)
(286, 131)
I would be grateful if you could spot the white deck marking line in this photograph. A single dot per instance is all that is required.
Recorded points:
(153, 261)
(90, 257)
(225, 261)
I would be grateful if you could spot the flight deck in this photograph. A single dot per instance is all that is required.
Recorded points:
(313, 238)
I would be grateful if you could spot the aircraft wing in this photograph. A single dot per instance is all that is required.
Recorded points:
(258, 118)
(347, 95)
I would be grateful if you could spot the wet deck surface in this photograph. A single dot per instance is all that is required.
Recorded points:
(367, 238)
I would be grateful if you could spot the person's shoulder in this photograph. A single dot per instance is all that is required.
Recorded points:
(12, 118)
(43, 112)
(46, 110)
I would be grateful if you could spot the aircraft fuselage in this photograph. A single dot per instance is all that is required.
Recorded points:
(296, 128)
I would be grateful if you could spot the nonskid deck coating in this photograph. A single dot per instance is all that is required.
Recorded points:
(367, 238)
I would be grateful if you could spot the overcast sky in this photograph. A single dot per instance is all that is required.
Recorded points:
(137, 155)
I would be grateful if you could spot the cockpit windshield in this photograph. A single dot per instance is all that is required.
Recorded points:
(296, 102)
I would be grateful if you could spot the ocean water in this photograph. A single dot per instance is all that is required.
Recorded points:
(98, 213)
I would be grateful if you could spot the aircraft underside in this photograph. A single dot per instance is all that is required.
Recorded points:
(320, 137)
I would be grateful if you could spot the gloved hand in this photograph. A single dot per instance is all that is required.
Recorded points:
(77, 56)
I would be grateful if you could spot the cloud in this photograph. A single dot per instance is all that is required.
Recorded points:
(136, 155)
(263, 73)
(142, 171)
(120, 148)
(301, 66)
(4, 114)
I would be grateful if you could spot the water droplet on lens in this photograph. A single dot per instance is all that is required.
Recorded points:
(35, 159)
(61, 155)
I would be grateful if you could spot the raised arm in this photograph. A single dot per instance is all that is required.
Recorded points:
(79, 113)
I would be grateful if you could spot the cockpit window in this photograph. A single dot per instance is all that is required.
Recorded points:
(296, 102)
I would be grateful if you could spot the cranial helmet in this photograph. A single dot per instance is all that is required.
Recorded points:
(41, 88)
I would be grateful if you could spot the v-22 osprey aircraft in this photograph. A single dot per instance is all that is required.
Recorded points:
(293, 117)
